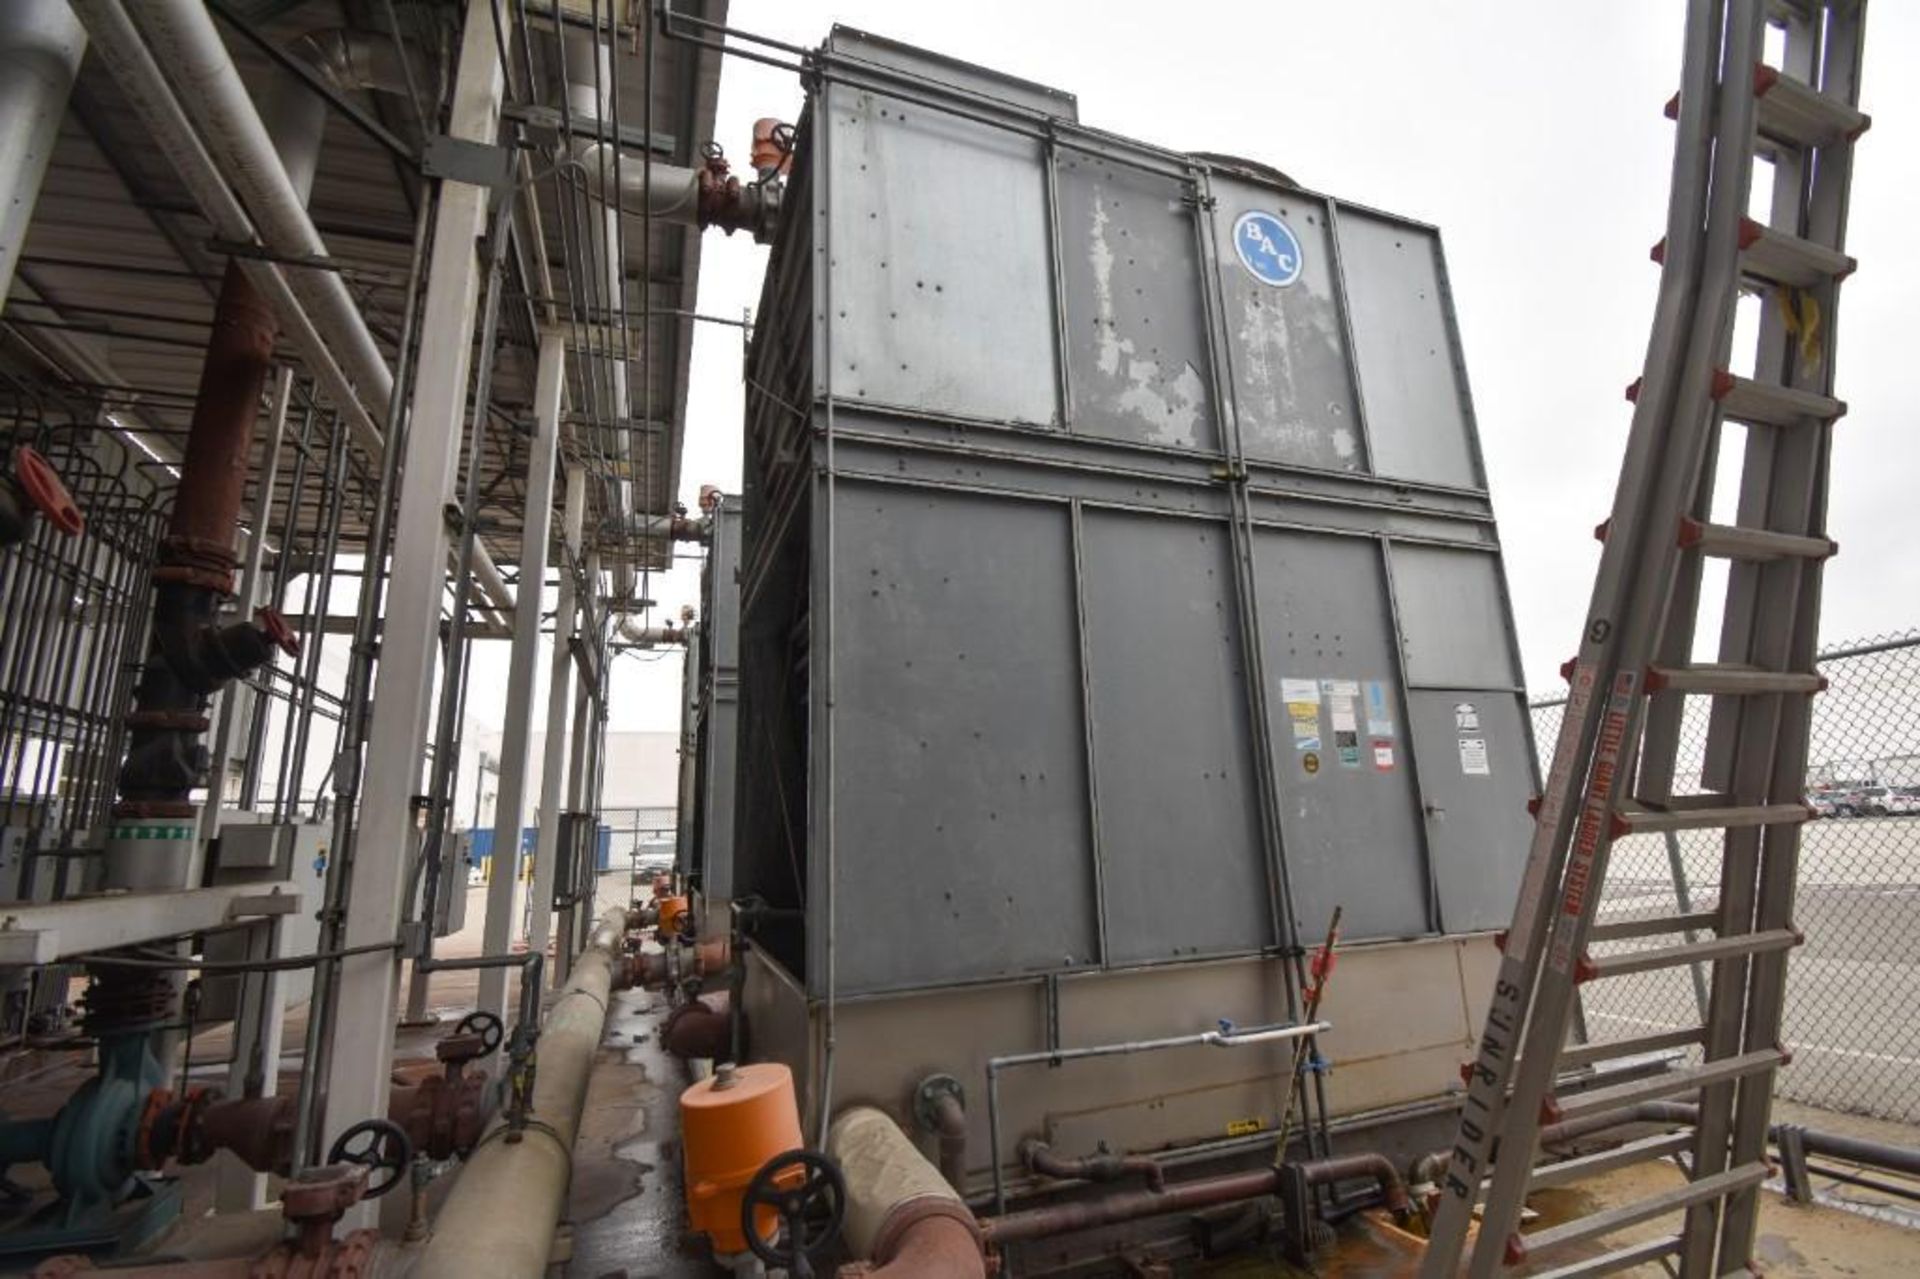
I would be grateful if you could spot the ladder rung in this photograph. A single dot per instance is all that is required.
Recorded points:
(1634, 1254)
(1654, 926)
(1780, 258)
(1794, 111)
(1640, 821)
(1767, 404)
(1720, 677)
(1671, 1084)
(1615, 1049)
(1599, 1224)
(1734, 542)
(1645, 1150)
(1696, 952)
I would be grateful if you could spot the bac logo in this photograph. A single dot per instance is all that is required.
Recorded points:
(1267, 248)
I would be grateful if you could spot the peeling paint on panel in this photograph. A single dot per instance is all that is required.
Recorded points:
(1170, 406)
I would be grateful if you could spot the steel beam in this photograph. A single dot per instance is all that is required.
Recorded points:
(42, 932)
(553, 768)
(509, 812)
(397, 735)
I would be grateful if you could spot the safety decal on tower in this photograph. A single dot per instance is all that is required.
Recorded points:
(1268, 248)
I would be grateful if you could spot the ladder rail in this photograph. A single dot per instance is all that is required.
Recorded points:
(1841, 57)
(1582, 720)
(1690, 432)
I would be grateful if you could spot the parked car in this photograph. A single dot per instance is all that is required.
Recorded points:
(1826, 803)
(1883, 801)
(1903, 801)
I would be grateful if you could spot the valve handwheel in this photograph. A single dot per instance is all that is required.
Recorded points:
(484, 1024)
(41, 483)
(379, 1144)
(805, 1189)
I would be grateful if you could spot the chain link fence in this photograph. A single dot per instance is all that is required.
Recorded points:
(1852, 1018)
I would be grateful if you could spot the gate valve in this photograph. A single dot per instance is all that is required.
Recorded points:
(274, 626)
(41, 486)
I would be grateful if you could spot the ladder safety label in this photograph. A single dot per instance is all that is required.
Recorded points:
(1473, 757)
(1267, 248)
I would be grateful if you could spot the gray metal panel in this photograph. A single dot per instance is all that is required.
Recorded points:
(1136, 336)
(1476, 776)
(864, 46)
(1403, 343)
(1172, 751)
(1292, 387)
(722, 603)
(721, 735)
(1454, 623)
(941, 291)
(962, 841)
(1349, 821)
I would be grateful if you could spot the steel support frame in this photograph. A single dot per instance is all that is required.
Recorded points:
(509, 812)
(553, 766)
(357, 1079)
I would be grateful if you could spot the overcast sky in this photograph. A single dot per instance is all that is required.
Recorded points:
(1531, 134)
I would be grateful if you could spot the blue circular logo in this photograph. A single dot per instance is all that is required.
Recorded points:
(1267, 248)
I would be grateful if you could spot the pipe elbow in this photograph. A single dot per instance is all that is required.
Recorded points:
(932, 1248)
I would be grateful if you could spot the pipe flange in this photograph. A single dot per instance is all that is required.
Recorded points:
(181, 721)
(926, 1100)
(187, 575)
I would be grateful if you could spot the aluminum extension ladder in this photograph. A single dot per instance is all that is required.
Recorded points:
(1615, 762)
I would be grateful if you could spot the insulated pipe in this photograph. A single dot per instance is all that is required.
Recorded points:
(196, 60)
(901, 1214)
(500, 1215)
(41, 45)
(314, 305)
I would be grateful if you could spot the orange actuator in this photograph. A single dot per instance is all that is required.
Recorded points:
(730, 1125)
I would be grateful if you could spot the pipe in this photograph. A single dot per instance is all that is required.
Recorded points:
(182, 36)
(950, 1128)
(901, 1215)
(499, 1218)
(315, 307)
(41, 45)
(650, 636)
(1227, 1036)
(1128, 1205)
(1207, 1192)
(1039, 1157)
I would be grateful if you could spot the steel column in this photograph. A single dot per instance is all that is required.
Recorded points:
(553, 765)
(41, 44)
(509, 810)
(396, 740)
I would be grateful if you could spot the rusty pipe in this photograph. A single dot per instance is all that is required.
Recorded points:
(1039, 1157)
(1393, 1190)
(1187, 1196)
(1128, 1205)
(950, 1127)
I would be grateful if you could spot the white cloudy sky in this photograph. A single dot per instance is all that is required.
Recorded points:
(1531, 133)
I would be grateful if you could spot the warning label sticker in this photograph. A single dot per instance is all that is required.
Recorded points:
(1473, 757)
(1382, 755)
(1466, 716)
(1343, 715)
(1302, 697)
(1379, 718)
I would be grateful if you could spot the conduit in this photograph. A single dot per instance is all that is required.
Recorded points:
(501, 1213)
